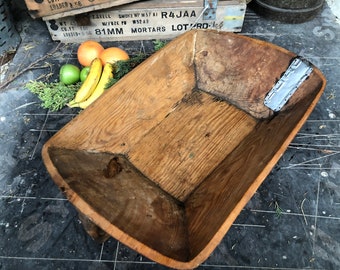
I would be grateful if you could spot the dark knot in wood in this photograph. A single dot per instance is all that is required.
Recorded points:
(113, 168)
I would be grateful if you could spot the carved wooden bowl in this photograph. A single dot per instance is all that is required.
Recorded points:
(167, 158)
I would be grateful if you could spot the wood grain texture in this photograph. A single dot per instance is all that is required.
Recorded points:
(181, 151)
(168, 157)
(134, 105)
(53, 10)
(214, 205)
(128, 200)
(236, 69)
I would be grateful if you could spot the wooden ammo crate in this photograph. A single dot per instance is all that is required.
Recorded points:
(149, 20)
(62, 8)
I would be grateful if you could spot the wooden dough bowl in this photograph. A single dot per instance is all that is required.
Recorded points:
(167, 158)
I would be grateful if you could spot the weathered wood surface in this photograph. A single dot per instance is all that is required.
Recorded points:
(128, 200)
(138, 103)
(242, 71)
(181, 151)
(58, 9)
(167, 158)
(215, 204)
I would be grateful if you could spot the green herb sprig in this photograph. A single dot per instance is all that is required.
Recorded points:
(54, 95)
(121, 68)
(159, 44)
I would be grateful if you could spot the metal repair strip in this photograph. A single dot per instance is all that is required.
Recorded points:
(297, 72)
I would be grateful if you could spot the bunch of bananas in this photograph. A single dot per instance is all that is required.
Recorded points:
(94, 84)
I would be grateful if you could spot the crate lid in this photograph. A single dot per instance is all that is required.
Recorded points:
(56, 9)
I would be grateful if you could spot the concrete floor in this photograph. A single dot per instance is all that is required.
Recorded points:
(292, 222)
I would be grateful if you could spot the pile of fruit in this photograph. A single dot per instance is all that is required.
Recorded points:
(79, 87)
(96, 74)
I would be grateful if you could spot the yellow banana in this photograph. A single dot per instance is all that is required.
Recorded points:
(104, 79)
(90, 83)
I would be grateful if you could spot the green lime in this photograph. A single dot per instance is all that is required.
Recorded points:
(69, 74)
(83, 73)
